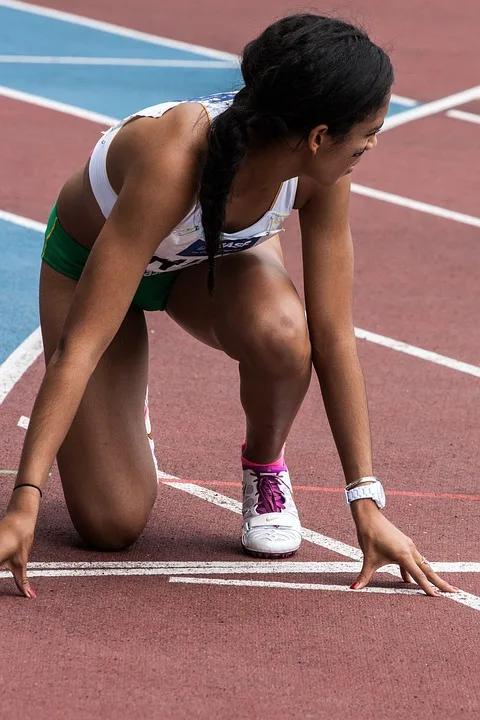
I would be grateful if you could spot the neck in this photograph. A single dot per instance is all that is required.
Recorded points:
(265, 167)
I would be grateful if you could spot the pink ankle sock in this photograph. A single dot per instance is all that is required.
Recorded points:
(276, 466)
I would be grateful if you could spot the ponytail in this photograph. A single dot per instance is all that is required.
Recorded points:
(227, 145)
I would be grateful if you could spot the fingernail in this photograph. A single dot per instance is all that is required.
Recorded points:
(31, 593)
(355, 585)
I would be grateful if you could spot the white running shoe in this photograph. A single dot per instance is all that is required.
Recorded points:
(271, 527)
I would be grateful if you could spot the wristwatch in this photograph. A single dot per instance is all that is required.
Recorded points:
(366, 487)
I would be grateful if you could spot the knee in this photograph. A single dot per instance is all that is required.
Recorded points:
(112, 529)
(275, 340)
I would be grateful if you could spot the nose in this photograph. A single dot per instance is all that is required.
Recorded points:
(372, 142)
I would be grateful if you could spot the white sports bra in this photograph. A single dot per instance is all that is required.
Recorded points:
(186, 244)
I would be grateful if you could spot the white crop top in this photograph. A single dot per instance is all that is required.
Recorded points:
(186, 244)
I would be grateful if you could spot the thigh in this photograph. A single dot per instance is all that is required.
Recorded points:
(105, 462)
(253, 293)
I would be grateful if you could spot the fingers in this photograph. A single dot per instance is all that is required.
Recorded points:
(405, 575)
(419, 576)
(367, 572)
(21, 580)
(410, 570)
(435, 579)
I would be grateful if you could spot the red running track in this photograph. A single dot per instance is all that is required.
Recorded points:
(141, 647)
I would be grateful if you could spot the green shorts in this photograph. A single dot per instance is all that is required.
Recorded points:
(68, 257)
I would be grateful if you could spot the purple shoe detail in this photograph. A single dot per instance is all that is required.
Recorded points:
(270, 496)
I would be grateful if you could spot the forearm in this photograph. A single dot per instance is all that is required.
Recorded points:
(343, 389)
(57, 402)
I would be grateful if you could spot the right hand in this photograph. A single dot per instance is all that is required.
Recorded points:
(382, 544)
(16, 537)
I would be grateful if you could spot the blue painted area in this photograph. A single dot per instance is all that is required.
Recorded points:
(397, 108)
(117, 91)
(19, 270)
(114, 91)
(23, 33)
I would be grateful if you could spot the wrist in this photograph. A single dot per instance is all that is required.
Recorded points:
(26, 501)
(364, 509)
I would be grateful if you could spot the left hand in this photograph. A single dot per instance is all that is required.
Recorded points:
(383, 544)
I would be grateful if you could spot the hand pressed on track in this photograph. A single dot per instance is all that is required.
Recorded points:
(384, 544)
(16, 537)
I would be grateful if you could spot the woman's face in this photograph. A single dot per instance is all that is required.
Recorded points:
(331, 160)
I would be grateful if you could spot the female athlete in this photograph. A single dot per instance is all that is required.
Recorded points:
(179, 208)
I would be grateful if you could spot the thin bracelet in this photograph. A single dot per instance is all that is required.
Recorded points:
(360, 481)
(29, 485)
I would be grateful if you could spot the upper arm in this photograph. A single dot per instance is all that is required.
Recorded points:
(328, 260)
(157, 192)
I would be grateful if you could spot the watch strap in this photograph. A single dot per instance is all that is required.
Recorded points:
(361, 481)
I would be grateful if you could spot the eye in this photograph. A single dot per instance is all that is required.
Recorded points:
(358, 153)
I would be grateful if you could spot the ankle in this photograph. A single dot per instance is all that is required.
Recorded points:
(254, 458)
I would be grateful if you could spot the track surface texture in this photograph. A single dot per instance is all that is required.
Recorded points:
(161, 634)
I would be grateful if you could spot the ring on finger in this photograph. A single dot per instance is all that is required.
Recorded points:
(422, 561)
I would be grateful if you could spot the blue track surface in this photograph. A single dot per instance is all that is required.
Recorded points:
(111, 90)
(20, 262)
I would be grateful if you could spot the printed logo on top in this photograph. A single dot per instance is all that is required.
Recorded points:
(199, 248)
(216, 98)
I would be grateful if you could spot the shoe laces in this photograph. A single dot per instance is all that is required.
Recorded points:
(270, 496)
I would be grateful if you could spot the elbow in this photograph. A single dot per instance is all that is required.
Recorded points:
(75, 353)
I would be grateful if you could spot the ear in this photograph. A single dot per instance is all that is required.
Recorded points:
(317, 138)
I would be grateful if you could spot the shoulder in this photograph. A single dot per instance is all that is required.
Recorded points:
(182, 132)
(309, 192)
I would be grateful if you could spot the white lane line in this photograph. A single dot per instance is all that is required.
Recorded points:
(428, 355)
(236, 507)
(57, 106)
(415, 205)
(401, 100)
(116, 29)
(14, 367)
(240, 567)
(209, 567)
(8, 472)
(463, 115)
(456, 567)
(230, 58)
(293, 586)
(415, 111)
(432, 108)
(165, 476)
(462, 597)
(22, 221)
(107, 120)
(82, 569)
(24, 422)
(116, 62)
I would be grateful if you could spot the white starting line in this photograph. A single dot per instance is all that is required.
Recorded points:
(185, 572)
(197, 572)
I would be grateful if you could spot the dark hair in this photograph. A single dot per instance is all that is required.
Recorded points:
(302, 71)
